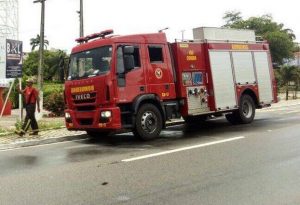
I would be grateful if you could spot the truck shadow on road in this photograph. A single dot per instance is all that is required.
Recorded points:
(175, 134)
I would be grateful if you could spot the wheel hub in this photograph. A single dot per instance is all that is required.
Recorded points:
(148, 122)
(247, 109)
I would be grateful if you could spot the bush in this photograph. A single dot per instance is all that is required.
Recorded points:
(54, 103)
(49, 88)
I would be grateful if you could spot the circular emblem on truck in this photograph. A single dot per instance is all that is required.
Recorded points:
(158, 73)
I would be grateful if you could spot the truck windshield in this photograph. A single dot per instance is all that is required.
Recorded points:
(90, 63)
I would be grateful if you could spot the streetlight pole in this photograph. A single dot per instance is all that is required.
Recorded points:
(41, 51)
(298, 56)
(81, 19)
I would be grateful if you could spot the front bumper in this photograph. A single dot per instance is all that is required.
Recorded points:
(91, 120)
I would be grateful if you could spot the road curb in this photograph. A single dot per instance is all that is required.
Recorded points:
(35, 142)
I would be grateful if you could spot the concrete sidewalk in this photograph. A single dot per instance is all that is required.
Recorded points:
(10, 140)
(44, 137)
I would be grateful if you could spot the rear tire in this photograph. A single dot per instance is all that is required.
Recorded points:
(148, 124)
(246, 112)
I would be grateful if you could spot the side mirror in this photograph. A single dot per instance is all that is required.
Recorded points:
(61, 66)
(128, 62)
(128, 50)
(61, 75)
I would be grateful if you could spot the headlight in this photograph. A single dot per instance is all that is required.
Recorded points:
(106, 114)
(67, 115)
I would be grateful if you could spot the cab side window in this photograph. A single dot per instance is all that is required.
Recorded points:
(136, 55)
(120, 58)
(155, 54)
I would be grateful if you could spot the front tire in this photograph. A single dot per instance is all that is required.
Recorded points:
(148, 123)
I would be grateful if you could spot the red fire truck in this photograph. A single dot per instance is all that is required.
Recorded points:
(140, 82)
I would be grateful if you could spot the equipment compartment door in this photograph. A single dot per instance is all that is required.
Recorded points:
(263, 77)
(223, 83)
(243, 67)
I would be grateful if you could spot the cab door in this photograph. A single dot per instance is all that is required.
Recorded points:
(132, 83)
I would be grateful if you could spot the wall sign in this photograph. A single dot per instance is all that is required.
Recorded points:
(14, 58)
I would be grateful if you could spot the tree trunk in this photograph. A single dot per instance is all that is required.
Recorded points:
(287, 92)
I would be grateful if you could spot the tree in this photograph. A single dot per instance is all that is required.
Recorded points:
(285, 75)
(279, 38)
(35, 42)
(232, 18)
(51, 64)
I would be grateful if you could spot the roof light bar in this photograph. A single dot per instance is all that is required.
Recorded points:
(101, 34)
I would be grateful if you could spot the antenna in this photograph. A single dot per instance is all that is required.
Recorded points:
(161, 30)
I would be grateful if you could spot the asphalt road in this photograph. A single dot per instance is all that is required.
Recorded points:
(215, 163)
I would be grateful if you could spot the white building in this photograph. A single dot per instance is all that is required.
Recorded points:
(296, 60)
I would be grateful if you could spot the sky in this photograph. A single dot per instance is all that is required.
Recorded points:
(141, 16)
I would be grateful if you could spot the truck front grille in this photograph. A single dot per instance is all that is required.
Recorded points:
(86, 121)
(84, 98)
(85, 101)
(86, 108)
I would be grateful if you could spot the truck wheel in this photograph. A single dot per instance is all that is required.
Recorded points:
(95, 134)
(148, 124)
(246, 112)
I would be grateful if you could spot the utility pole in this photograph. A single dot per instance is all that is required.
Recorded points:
(41, 52)
(298, 56)
(41, 49)
(81, 33)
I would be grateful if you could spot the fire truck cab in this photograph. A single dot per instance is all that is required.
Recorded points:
(139, 82)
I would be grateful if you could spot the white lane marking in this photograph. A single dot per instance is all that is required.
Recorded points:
(182, 149)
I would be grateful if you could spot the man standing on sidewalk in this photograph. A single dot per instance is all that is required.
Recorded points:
(31, 100)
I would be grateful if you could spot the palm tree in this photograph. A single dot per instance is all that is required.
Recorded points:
(35, 42)
(286, 75)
